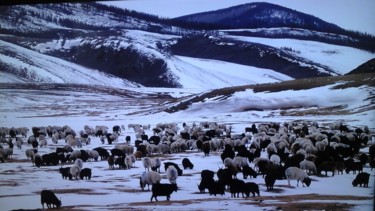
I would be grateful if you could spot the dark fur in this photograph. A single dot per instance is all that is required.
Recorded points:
(361, 179)
(85, 173)
(159, 189)
(49, 198)
(187, 164)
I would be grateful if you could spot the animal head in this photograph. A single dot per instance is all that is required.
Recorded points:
(355, 183)
(174, 186)
(58, 204)
(307, 181)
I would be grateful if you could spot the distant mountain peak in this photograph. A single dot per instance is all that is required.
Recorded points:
(260, 14)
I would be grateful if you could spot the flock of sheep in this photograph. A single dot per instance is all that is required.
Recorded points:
(293, 150)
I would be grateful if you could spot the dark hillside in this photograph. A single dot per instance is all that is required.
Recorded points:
(367, 67)
(252, 54)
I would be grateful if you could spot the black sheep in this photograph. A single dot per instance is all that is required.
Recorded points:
(117, 153)
(353, 166)
(228, 152)
(187, 164)
(103, 153)
(51, 158)
(236, 187)
(116, 129)
(327, 166)
(127, 139)
(154, 140)
(38, 160)
(159, 189)
(65, 173)
(270, 181)
(251, 187)
(216, 187)
(248, 171)
(206, 148)
(207, 177)
(85, 173)
(49, 198)
(361, 179)
(84, 155)
(225, 176)
(363, 158)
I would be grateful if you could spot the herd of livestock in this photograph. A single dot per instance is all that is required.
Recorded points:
(293, 150)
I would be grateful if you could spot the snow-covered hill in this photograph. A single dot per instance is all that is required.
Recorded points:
(21, 64)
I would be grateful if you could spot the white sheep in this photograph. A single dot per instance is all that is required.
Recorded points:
(228, 161)
(75, 154)
(155, 164)
(149, 178)
(308, 166)
(78, 162)
(74, 171)
(172, 174)
(275, 159)
(19, 142)
(93, 154)
(240, 162)
(163, 149)
(295, 173)
(132, 157)
(30, 153)
(42, 142)
(146, 163)
(128, 162)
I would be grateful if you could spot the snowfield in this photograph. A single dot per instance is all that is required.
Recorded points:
(340, 59)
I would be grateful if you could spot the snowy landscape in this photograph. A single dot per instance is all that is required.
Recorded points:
(46, 81)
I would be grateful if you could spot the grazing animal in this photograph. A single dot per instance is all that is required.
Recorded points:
(128, 162)
(155, 164)
(270, 181)
(327, 166)
(295, 173)
(146, 161)
(167, 164)
(187, 164)
(207, 177)
(149, 178)
(309, 166)
(236, 187)
(48, 197)
(206, 148)
(353, 166)
(361, 179)
(111, 162)
(85, 173)
(159, 189)
(65, 173)
(103, 153)
(37, 160)
(74, 171)
(216, 187)
(172, 174)
(251, 187)
(248, 171)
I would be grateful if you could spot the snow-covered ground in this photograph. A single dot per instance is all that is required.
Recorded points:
(341, 59)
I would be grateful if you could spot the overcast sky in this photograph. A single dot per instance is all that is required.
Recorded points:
(358, 15)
